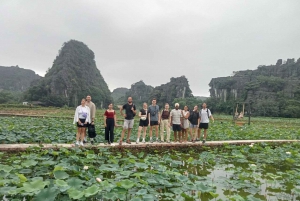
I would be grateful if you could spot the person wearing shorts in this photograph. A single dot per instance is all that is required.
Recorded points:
(154, 119)
(130, 111)
(144, 122)
(203, 121)
(82, 118)
(176, 121)
(194, 116)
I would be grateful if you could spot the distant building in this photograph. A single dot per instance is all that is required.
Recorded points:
(25, 103)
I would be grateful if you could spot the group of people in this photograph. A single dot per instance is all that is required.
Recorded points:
(183, 122)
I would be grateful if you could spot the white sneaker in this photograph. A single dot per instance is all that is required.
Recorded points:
(77, 143)
(137, 141)
(144, 141)
(81, 143)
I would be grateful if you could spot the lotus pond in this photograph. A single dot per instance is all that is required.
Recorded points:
(56, 130)
(258, 172)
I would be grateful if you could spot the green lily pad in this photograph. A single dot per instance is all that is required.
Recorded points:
(93, 190)
(136, 199)
(127, 184)
(35, 185)
(22, 177)
(6, 168)
(75, 182)
(29, 163)
(142, 192)
(25, 171)
(60, 174)
(75, 193)
(91, 156)
(48, 194)
(148, 197)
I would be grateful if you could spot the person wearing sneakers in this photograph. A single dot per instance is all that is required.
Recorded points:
(144, 122)
(130, 111)
(176, 121)
(82, 118)
(154, 119)
(193, 118)
(203, 121)
(186, 124)
(165, 122)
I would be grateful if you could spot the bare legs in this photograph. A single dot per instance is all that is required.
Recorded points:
(128, 135)
(139, 133)
(184, 135)
(80, 134)
(156, 131)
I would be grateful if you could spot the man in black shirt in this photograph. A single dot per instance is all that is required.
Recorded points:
(130, 111)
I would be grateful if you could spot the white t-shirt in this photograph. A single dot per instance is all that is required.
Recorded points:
(176, 115)
(203, 115)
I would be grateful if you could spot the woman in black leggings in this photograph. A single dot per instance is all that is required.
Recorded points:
(109, 123)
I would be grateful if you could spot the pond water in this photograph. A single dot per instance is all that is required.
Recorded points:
(258, 172)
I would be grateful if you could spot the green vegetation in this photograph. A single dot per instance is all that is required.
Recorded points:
(73, 76)
(252, 172)
(273, 90)
(16, 79)
(225, 173)
(61, 130)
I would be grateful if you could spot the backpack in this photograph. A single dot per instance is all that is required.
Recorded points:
(92, 131)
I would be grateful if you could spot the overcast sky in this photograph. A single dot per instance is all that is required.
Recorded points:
(153, 40)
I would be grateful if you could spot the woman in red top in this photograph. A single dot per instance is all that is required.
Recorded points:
(110, 121)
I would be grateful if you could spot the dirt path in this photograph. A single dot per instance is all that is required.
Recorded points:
(22, 147)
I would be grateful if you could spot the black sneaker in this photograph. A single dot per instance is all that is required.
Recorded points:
(203, 141)
(84, 141)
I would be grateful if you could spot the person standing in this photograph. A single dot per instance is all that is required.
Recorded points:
(92, 107)
(193, 118)
(165, 122)
(82, 118)
(110, 120)
(154, 120)
(144, 122)
(185, 125)
(203, 121)
(130, 111)
(176, 121)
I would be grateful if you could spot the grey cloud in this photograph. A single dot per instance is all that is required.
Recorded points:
(153, 40)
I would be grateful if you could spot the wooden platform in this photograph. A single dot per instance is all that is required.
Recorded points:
(22, 147)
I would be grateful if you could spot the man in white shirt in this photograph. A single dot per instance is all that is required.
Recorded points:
(176, 122)
(203, 121)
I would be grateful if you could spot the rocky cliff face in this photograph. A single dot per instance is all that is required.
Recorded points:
(165, 93)
(176, 88)
(73, 76)
(140, 93)
(119, 93)
(265, 86)
(16, 79)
